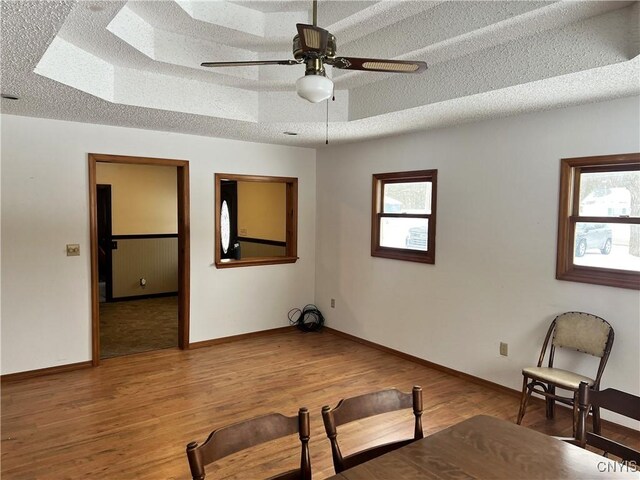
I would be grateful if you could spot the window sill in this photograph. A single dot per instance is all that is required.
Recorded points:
(406, 255)
(254, 261)
(601, 276)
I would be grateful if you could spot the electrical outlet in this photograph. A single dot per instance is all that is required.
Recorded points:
(73, 250)
(504, 349)
(333, 303)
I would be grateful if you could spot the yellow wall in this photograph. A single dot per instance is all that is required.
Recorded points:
(143, 197)
(262, 210)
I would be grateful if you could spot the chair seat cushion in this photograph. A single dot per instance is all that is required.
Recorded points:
(557, 376)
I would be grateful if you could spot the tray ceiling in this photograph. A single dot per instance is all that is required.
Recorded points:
(137, 63)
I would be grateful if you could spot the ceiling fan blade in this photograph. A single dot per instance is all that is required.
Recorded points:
(250, 63)
(378, 65)
(312, 38)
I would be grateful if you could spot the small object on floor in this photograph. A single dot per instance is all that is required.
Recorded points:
(309, 319)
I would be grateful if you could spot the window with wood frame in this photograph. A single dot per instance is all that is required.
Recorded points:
(599, 220)
(403, 216)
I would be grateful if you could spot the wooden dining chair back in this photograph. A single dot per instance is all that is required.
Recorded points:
(579, 331)
(613, 400)
(368, 405)
(249, 433)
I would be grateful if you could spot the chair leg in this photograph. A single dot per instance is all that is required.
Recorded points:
(575, 413)
(596, 420)
(550, 401)
(526, 392)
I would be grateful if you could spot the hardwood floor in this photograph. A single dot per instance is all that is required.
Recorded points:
(132, 417)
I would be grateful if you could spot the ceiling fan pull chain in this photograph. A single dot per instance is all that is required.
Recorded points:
(333, 99)
(326, 135)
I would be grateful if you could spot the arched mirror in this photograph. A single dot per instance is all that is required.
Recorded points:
(256, 220)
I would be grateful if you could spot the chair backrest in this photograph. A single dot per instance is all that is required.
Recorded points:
(368, 405)
(616, 401)
(583, 332)
(242, 435)
(580, 331)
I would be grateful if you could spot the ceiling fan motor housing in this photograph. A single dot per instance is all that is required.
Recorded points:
(300, 54)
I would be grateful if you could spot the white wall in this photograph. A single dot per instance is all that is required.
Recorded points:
(46, 317)
(494, 277)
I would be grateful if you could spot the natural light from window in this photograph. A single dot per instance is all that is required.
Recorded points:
(403, 215)
(608, 245)
(411, 199)
(599, 220)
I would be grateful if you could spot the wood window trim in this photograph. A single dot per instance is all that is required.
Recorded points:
(379, 179)
(568, 216)
(291, 255)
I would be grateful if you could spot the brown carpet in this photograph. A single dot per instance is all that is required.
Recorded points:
(136, 326)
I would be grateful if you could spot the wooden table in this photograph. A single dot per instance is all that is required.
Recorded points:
(485, 447)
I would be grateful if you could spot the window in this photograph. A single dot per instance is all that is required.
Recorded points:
(256, 220)
(403, 216)
(599, 220)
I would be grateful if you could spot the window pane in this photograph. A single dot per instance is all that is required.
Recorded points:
(608, 194)
(410, 197)
(607, 246)
(407, 233)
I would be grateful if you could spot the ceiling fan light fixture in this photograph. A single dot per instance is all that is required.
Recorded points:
(314, 87)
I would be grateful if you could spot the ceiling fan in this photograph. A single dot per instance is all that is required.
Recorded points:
(316, 47)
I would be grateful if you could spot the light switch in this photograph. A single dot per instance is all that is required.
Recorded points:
(73, 249)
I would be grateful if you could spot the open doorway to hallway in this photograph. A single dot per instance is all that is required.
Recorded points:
(139, 243)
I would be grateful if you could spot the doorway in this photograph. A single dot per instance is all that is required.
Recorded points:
(104, 244)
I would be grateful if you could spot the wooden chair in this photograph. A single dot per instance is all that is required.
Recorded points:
(242, 435)
(572, 330)
(368, 405)
(615, 401)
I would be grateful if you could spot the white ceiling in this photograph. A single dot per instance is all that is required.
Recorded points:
(137, 63)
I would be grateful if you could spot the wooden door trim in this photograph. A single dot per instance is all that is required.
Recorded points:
(182, 169)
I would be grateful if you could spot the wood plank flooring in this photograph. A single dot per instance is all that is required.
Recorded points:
(132, 417)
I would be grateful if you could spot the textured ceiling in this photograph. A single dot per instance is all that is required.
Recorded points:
(137, 63)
